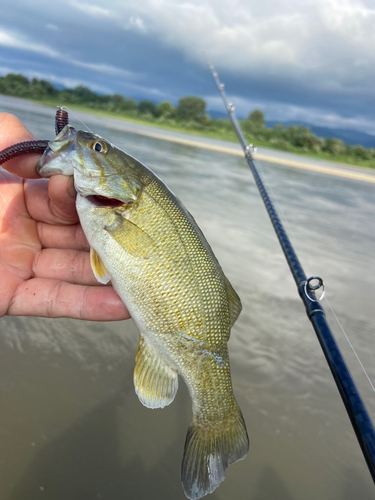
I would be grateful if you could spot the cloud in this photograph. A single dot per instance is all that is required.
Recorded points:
(327, 44)
(135, 23)
(104, 68)
(17, 41)
(323, 41)
(288, 112)
(91, 10)
(315, 55)
(52, 27)
(4, 70)
(127, 20)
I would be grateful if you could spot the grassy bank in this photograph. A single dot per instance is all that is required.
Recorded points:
(216, 129)
(190, 116)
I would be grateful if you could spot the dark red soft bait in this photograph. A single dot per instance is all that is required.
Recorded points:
(61, 119)
(22, 148)
(37, 147)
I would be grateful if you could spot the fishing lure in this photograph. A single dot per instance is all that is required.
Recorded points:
(36, 147)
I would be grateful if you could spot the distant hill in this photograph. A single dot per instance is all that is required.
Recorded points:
(352, 137)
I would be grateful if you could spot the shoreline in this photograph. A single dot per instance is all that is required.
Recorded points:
(282, 158)
(337, 170)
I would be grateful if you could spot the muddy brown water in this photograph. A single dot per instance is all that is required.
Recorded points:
(71, 426)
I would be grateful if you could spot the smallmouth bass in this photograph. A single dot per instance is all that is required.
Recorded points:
(145, 241)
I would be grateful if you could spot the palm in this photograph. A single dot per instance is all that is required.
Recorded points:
(19, 242)
(44, 258)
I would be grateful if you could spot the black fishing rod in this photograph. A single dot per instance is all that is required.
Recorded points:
(356, 409)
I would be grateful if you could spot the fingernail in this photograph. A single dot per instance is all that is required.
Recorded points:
(71, 189)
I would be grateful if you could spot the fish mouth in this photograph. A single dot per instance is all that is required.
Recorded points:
(102, 201)
(50, 163)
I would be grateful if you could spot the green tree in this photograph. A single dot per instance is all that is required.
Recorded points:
(40, 89)
(360, 152)
(335, 146)
(166, 109)
(117, 103)
(190, 108)
(147, 107)
(302, 137)
(15, 85)
(69, 96)
(205, 120)
(257, 118)
(80, 95)
(278, 130)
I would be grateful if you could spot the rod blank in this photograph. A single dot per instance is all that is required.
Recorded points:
(355, 407)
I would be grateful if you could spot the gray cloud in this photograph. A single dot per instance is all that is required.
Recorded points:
(312, 60)
(21, 42)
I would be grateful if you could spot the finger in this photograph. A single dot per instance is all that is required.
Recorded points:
(63, 198)
(56, 299)
(11, 194)
(71, 266)
(62, 236)
(12, 132)
(49, 201)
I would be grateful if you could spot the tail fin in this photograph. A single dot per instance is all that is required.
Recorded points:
(208, 452)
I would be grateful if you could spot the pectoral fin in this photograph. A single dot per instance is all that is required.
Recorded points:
(155, 382)
(235, 305)
(132, 239)
(97, 266)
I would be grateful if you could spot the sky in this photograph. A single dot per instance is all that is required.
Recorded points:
(296, 60)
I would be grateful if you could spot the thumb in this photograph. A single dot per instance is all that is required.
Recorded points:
(63, 198)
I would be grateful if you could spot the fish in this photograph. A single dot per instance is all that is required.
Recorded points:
(149, 246)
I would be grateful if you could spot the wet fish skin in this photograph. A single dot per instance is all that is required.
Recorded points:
(167, 275)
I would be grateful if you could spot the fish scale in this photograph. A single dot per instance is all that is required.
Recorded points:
(189, 257)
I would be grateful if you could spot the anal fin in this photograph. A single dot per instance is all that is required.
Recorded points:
(155, 382)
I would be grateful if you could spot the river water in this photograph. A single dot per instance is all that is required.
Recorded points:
(71, 426)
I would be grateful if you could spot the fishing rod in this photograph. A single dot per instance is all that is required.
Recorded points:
(355, 407)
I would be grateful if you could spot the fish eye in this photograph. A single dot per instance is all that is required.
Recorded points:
(99, 147)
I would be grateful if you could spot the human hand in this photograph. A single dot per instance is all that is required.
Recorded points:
(44, 255)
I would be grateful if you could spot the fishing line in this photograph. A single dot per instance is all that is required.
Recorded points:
(65, 108)
(285, 220)
(354, 405)
(351, 345)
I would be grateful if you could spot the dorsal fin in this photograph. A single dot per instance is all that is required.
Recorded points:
(155, 382)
